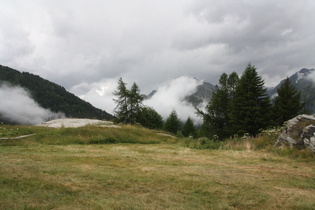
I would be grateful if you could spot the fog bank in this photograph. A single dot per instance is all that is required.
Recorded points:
(17, 106)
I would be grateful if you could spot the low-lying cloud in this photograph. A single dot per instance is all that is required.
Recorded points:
(17, 106)
(100, 93)
(171, 96)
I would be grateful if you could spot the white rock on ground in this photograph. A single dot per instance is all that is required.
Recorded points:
(75, 123)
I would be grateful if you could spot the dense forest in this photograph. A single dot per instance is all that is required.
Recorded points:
(52, 96)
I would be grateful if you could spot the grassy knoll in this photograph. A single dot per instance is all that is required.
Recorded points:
(65, 169)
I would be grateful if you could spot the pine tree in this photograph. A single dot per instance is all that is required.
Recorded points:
(287, 104)
(172, 123)
(135, 103)
(251, 105)
(189, 129)
(217, 116)
(122, 111)
(129, 103)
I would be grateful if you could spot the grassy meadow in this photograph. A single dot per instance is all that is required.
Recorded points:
(135, 168)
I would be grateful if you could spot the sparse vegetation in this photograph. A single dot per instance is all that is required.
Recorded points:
(134, 168)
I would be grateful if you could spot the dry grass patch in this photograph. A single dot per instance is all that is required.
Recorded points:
(151, 176)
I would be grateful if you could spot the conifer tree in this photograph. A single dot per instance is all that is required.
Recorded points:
(251, 107)
(129, 103)
(217, 116)
(135, 103)
(287, 104)
(172, 123)
(189, 128)
(122, 111)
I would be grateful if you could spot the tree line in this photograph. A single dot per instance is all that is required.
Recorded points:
(239, 106)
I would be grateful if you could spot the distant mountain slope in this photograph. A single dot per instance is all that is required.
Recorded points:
(303, 82)
(203, 94)
(52, 96)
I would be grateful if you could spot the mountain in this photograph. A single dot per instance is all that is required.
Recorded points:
(203, 94)
(52, 96)
(147, 97)
(303, 81)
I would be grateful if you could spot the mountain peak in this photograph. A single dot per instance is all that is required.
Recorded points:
(306, 71)
(302, 74)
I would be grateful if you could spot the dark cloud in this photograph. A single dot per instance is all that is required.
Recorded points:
(80, 44)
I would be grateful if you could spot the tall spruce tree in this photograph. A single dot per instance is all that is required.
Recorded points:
(189, 128)
(172, 123)
(216, 119)
(287, 104)
(251, 107)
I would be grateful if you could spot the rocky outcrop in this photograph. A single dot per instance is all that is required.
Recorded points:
(308, 137)
(299, 132)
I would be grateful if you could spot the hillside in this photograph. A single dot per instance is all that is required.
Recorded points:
(52, 96)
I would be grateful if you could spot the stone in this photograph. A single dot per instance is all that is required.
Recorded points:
(299, 132)
(308, 137)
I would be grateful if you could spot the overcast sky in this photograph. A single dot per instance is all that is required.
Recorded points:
(86, 46)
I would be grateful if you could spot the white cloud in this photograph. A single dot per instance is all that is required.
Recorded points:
(312, 75)
(100, 93)
(16, 105)
(172, 96)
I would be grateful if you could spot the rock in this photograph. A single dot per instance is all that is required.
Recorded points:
(73, 123)
(308, 137)
(110, 126)
(299, 132)
(168, 135)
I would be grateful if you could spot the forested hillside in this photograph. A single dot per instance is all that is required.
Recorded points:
(52, 96)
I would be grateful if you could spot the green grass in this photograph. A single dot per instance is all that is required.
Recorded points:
(74, 169)
(83, 135)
